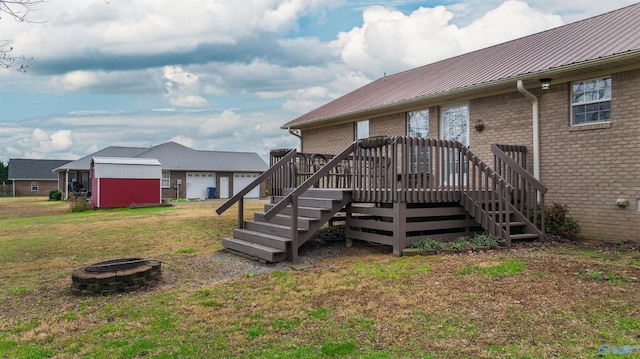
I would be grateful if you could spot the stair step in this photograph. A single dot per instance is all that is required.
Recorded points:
(263, 252)
(515, 224)
(264, 239)
(311, 212)
(524, 236)
(285, 220)
(329, 193)
(270, 228)
(304, 201)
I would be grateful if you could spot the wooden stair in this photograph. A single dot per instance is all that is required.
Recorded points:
(270, 241)
(520, 228)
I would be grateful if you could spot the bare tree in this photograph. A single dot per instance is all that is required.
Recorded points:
(18, 10)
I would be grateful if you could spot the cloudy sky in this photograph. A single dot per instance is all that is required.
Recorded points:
(226, 74)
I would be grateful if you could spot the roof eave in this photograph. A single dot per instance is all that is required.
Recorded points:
(483, 88)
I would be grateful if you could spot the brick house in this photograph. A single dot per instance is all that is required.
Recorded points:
(571, 95)
(33, 177)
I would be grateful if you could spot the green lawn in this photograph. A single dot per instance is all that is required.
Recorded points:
(557, 301)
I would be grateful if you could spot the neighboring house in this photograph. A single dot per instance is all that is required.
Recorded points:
(571, 95)
(186, 173)
(34, 177)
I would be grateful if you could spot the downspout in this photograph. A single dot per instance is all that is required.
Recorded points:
(535, 104)
(292, 132)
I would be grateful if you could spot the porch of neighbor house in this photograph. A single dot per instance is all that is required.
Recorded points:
(392, 191)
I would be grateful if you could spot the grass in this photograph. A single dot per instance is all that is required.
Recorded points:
(361, 303)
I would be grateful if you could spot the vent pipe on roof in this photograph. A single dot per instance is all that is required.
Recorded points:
(536, 128)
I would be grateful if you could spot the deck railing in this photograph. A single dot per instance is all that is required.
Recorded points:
(280, 165)
(528, 193)
(423, 170)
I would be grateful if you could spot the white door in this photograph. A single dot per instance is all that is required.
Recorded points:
(454, 125)
(242, 180)
(198, 182)
(224, 187)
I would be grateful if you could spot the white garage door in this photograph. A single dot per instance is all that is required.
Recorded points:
(241, 180)
(198, 182)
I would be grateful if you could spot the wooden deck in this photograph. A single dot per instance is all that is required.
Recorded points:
(403, 188)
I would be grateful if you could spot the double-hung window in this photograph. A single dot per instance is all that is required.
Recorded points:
(166, 179)
(35, 186)
(362, 129)
(591, 101)
(418, 126)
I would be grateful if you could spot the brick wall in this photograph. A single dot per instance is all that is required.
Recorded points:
(328, 140)
(589, 167)
(23, 188)
(586, 167)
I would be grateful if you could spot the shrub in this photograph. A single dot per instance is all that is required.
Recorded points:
(78, 204)
(557, 223)
(55, 195)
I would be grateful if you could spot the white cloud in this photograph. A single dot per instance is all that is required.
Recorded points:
(183, 140)
(74, 81)
(227, 122)
(182, 87)
(390, 41)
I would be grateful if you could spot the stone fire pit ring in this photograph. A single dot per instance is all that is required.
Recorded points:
(116, 275)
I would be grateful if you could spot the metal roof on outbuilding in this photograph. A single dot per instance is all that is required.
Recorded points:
(614, 36)
(124, 167)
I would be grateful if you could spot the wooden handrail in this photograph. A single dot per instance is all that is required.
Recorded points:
(315, 177)
(530, 205)
(240, 195)
(515, 166)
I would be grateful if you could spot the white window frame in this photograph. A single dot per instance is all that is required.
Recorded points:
(362, 129)
(591, 98)
(418, 123)
(35, 186)
(166, 179)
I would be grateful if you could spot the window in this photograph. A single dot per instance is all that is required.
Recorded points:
(34, 186)
(591, 101)
(166, 179)
(418, 126)
(418, 123)
(362, 129)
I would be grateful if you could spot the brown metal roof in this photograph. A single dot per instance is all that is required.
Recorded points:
(580, 43)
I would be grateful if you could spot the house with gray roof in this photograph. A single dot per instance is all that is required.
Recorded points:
(33, 177)
(186, 173)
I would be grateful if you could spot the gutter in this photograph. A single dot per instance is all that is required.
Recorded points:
(535, 105)
(293, 132)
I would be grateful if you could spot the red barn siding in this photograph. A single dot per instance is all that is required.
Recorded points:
(123, 192)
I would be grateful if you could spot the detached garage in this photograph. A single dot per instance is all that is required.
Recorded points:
(121, 181)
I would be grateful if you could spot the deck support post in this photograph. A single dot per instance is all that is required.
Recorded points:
(349, 214)
(294, 228)
(399, 227)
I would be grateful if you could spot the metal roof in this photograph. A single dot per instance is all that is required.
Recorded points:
(605, 37)
(27, 169)
(113, 151)
(173, 156)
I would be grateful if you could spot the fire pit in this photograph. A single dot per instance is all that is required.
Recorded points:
(118, 275)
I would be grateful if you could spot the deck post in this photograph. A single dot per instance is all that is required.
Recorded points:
(349, 241)
(294, 228)
(399, 227)
(241, 213)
